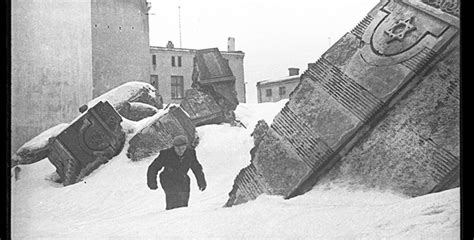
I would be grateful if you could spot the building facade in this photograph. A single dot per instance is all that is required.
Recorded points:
(64, 53)
(172, 68)
(274, 90)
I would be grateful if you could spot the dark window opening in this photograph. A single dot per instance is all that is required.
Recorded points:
(173, 64)
(108, 26)
(133, 28)
(154, 82)
(268, 92)
(282, 91)
(120, 28)
(177, 87)
(179, 61)
(95, 25)
(153, 59)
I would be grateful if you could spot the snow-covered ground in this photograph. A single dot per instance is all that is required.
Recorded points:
(115, 203)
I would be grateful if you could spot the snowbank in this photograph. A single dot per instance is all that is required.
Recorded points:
(114, 201)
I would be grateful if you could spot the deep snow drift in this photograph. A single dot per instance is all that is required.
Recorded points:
(114, 201)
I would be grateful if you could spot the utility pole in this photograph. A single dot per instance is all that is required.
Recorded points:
(179, 19)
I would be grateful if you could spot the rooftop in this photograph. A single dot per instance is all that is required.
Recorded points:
(189, 50)
(281, 79)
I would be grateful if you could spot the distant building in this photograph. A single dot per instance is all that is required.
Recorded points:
(273, 90)
(172, 68)
(64, 53)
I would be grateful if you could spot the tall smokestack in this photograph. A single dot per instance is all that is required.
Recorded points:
(231, 44)
(294, 71)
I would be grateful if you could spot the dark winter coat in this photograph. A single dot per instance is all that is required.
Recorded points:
(174, 178)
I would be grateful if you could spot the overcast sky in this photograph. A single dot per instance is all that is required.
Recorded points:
(274, 35)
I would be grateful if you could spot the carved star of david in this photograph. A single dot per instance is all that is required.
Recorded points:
(399, 30)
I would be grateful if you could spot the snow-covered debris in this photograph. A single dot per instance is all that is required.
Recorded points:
(159, 134)
(126, 92)
(36, 149)
(115, 202)
(137, 111)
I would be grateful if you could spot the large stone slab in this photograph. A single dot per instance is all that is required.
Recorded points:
(212, 75)
(202, 108)
(349, 91)
(123, 97)
(91, 140)
(416, 148)
(159, 134)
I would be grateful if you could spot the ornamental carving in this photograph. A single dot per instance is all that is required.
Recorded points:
(448, 6)
(400, 29)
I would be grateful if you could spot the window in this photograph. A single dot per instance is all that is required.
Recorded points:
(179, 61)
(268, 92)
(172, 62)
(153, 59)
(177, 87)
(282, 91)
(154, 81)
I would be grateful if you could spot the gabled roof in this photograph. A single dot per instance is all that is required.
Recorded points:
(212, 66)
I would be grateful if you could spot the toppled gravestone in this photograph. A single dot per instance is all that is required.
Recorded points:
(132, 100)
(37, 148)
(202, 108)
(380, 107)
(213, 98)
(91, 140)
(159, 134)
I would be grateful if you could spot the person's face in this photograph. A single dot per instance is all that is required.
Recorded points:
(180, 149)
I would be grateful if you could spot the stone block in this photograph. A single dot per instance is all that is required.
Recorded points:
(160, 133)
(202, 108)
(137, 111)
(353, 91)
(91, 140)
(212, 75)
(130, 92)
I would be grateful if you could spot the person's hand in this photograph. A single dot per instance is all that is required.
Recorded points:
(202, 188)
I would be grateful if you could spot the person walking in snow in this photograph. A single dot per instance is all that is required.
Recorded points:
(174, 179)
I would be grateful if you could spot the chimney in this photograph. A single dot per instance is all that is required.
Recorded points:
(294, 71)
(231, 44)
(170, 44)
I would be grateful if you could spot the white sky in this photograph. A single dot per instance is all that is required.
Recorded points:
(274, 35)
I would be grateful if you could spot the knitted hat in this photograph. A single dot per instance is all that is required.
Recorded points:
(180, 140)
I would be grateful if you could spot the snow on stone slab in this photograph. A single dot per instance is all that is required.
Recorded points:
(122, 93)
(133, 127)
(119, 95)
(142, 106)
(30, 151)
(115, 202)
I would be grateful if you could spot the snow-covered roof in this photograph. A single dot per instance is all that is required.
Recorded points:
(281, 79)
(189, 50)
